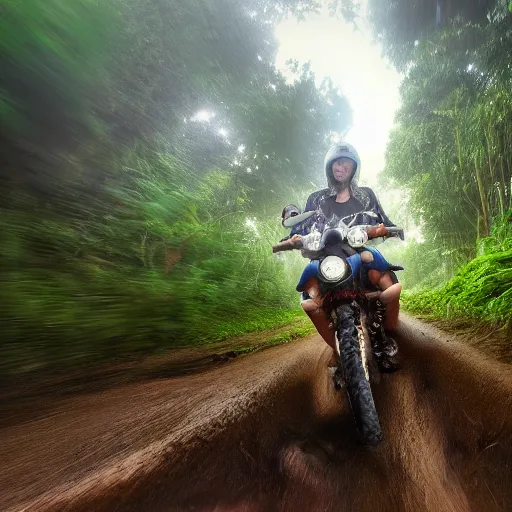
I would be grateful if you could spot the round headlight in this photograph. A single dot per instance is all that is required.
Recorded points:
(357, 237)
(333, 268)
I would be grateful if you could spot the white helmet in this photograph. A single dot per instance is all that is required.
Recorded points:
(341, 150)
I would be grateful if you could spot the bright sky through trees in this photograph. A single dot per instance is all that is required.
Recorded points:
(347, 55)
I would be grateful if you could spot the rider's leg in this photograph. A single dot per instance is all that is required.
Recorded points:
(390, 291)
(385, 347)
(320, 321)
(390, 296)
(387, 307)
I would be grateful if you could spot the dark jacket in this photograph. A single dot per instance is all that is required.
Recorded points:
(365, 195)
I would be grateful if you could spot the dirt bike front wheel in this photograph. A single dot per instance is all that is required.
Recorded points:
(357, 385)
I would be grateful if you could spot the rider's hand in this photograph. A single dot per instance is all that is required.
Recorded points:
(296, 241)
(377, 231)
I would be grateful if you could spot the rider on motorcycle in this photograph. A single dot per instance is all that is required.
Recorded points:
(344, 197)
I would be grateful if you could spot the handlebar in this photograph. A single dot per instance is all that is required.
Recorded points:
(295, 242)
(377, 231)
(396, 232)
(383, 231)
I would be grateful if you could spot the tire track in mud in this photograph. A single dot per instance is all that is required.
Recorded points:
(269, 433)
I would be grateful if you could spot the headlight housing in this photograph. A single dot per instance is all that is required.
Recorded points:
(357, 237)
(333, 268)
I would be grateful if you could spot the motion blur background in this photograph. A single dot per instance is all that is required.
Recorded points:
(148, 146)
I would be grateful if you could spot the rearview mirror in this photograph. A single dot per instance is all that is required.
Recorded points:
(291, 216)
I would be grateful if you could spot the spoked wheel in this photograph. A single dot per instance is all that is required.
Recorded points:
(357, 385)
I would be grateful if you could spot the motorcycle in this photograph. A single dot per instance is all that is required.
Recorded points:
(341, 288)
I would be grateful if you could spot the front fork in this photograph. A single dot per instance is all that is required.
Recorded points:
(371, 344)
(348, 319)
(375, 326)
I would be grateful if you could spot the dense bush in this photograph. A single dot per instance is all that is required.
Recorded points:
(481, 289)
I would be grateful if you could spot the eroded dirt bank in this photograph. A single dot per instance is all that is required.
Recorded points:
(268, 433)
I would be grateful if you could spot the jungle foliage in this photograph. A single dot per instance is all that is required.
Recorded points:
(451, 150)
(147, 148)
(480, 290)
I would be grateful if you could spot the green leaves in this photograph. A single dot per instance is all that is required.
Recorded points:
(130, 222)
(450, 151)
(401, 24)
(481, 289)
(454, 125)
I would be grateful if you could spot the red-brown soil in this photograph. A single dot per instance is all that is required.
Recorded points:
(267, 432)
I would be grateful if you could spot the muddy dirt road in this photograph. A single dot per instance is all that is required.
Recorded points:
(269, 433)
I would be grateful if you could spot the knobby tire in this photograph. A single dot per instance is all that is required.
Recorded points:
(357, 386)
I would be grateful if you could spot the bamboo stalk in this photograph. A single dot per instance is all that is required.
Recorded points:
(495, 180)
(482, 198)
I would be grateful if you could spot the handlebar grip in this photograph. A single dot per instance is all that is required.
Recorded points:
(377, 231)
(279, 248)
(398, 232)
(295, 242)
(383, 231)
